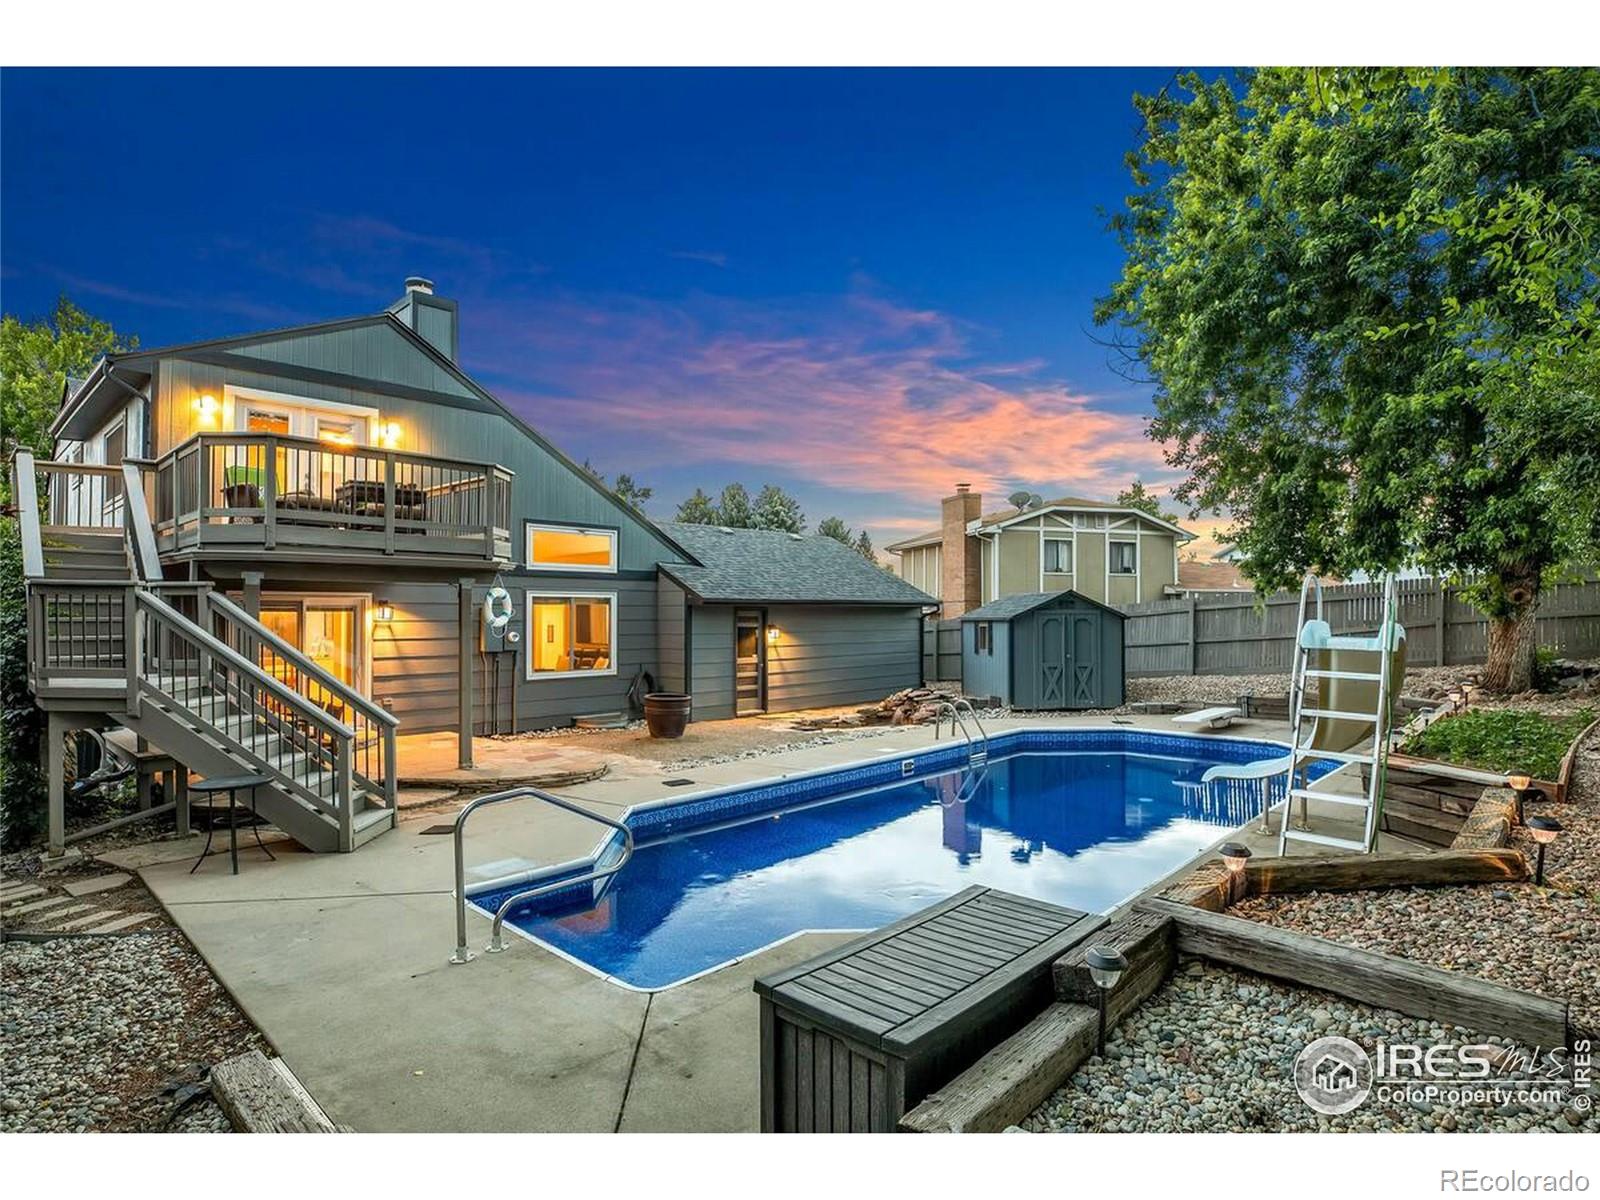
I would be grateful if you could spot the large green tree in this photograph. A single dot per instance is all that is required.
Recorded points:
(1367, 301)
(35, 359)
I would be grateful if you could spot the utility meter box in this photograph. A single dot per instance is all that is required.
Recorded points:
(500, 637)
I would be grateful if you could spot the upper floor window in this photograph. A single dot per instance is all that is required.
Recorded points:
(1124, 558)
(1057, 556)
(570, 548)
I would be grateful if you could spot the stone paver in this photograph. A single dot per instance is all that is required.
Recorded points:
(123, 922)
(99, 883)
(92, 918)
(41, 905)
(15, 895)
(73, 910)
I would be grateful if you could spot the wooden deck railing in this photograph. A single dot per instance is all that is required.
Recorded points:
(270, 490)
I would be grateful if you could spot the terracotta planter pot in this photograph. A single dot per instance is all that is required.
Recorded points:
(666, 713)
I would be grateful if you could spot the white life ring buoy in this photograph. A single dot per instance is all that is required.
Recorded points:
(497, 608)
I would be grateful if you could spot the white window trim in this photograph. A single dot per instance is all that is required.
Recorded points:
(237, 400)
(528, 529)
(532, 594)
(1123, 541)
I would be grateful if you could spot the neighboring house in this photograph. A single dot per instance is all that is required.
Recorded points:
(1110, 553)
(779, 621)
(275, 550)
(1205, 578)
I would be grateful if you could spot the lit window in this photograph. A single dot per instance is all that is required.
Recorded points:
(1057, 557)
(1124, 558)
(571, 635)
(557, 548)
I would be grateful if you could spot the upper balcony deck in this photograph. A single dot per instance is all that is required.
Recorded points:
(240, 492)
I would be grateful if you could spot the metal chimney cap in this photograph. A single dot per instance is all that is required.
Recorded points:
(417, 283)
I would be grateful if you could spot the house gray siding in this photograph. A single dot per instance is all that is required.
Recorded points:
(711, 661)
(827, 655)
(456, 423)
(672, 631)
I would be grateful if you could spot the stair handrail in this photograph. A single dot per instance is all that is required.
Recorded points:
(495, 946)
(292, 653)
(136, 519)
(220, 649)
(25, 488)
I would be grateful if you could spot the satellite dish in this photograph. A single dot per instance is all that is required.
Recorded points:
(1020, 500)
(1035, 501)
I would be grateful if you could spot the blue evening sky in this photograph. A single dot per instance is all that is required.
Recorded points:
(863, 285)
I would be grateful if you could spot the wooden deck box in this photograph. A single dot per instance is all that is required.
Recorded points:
(852, 1039)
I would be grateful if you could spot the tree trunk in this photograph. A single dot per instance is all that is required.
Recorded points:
(1512, 641)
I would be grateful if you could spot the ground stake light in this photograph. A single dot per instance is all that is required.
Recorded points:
(1235, 855)
(1544, 830)
(1522, 787)
(1106, 966)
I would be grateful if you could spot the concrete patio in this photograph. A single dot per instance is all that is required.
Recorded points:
(341, 960)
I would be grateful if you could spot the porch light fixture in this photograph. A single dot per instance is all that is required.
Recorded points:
(1106, 965)
(385, 612)
(1235, 855)
(1544, 830)
(208, 409)
(772, 635)
(389, 435)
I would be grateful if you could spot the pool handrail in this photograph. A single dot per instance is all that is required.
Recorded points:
(496, 945)
(961, 702)
(975, 749)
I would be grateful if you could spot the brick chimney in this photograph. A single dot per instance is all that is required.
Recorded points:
(961, 584)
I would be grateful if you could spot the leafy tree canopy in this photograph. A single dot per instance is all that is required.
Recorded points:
(1367, 301)
(1136, 495)
(698, 509)
(835, 528)
(35, 359)
(773, 508)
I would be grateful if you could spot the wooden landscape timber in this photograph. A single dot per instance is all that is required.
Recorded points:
(1146, 940)
(1490, 823)
(1350, 873)
(261, 1095)
(1380, 980)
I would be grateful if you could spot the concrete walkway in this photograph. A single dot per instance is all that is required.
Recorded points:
(341, 960)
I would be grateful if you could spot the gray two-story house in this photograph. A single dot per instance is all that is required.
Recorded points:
(280, 550)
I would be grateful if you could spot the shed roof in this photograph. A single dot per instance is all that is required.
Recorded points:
(1008, 607)
(763, 565)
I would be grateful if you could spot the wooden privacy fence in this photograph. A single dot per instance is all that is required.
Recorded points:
(941, 651)
(1229, 634)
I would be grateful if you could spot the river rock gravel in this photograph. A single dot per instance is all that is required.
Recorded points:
(100, 1034)
(1213, 1050)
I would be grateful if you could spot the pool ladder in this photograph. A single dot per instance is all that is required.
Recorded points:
(496, 945)
(977, 748)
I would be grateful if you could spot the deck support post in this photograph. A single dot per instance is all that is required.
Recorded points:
(55, 750)
(252, 593)
(468, 631)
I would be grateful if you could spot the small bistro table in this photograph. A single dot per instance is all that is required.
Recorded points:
(232, 784)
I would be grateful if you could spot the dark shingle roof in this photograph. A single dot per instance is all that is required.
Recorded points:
(1007, 607)
(759, 565)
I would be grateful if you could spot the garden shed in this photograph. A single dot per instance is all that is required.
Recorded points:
(1043, 650)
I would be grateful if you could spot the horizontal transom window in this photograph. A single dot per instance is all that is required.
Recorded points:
(568, 548)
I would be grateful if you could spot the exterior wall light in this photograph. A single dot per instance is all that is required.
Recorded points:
(1544, 830)
(389, 435)
(385, 612)
(1106, 965)
(773, 634)
(208, 410)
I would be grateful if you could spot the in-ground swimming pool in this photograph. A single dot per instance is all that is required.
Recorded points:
(1084, 819)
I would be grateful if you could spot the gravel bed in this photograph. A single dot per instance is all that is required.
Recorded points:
(1543, 940)
(98, 1033)
(1213, 1050)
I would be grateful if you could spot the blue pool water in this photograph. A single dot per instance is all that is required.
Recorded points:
(1083, 828)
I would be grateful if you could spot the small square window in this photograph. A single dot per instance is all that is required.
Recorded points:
(1124, 558)
(1057, 557)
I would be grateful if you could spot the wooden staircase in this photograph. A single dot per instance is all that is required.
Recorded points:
(191, 672)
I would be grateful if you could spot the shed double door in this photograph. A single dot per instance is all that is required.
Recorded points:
(1069, 660)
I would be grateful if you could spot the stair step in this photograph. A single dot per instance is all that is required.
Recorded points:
(1323, 839)
(1318, 673)
(1342, 756)
(1335, 714)
(1330, 797)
